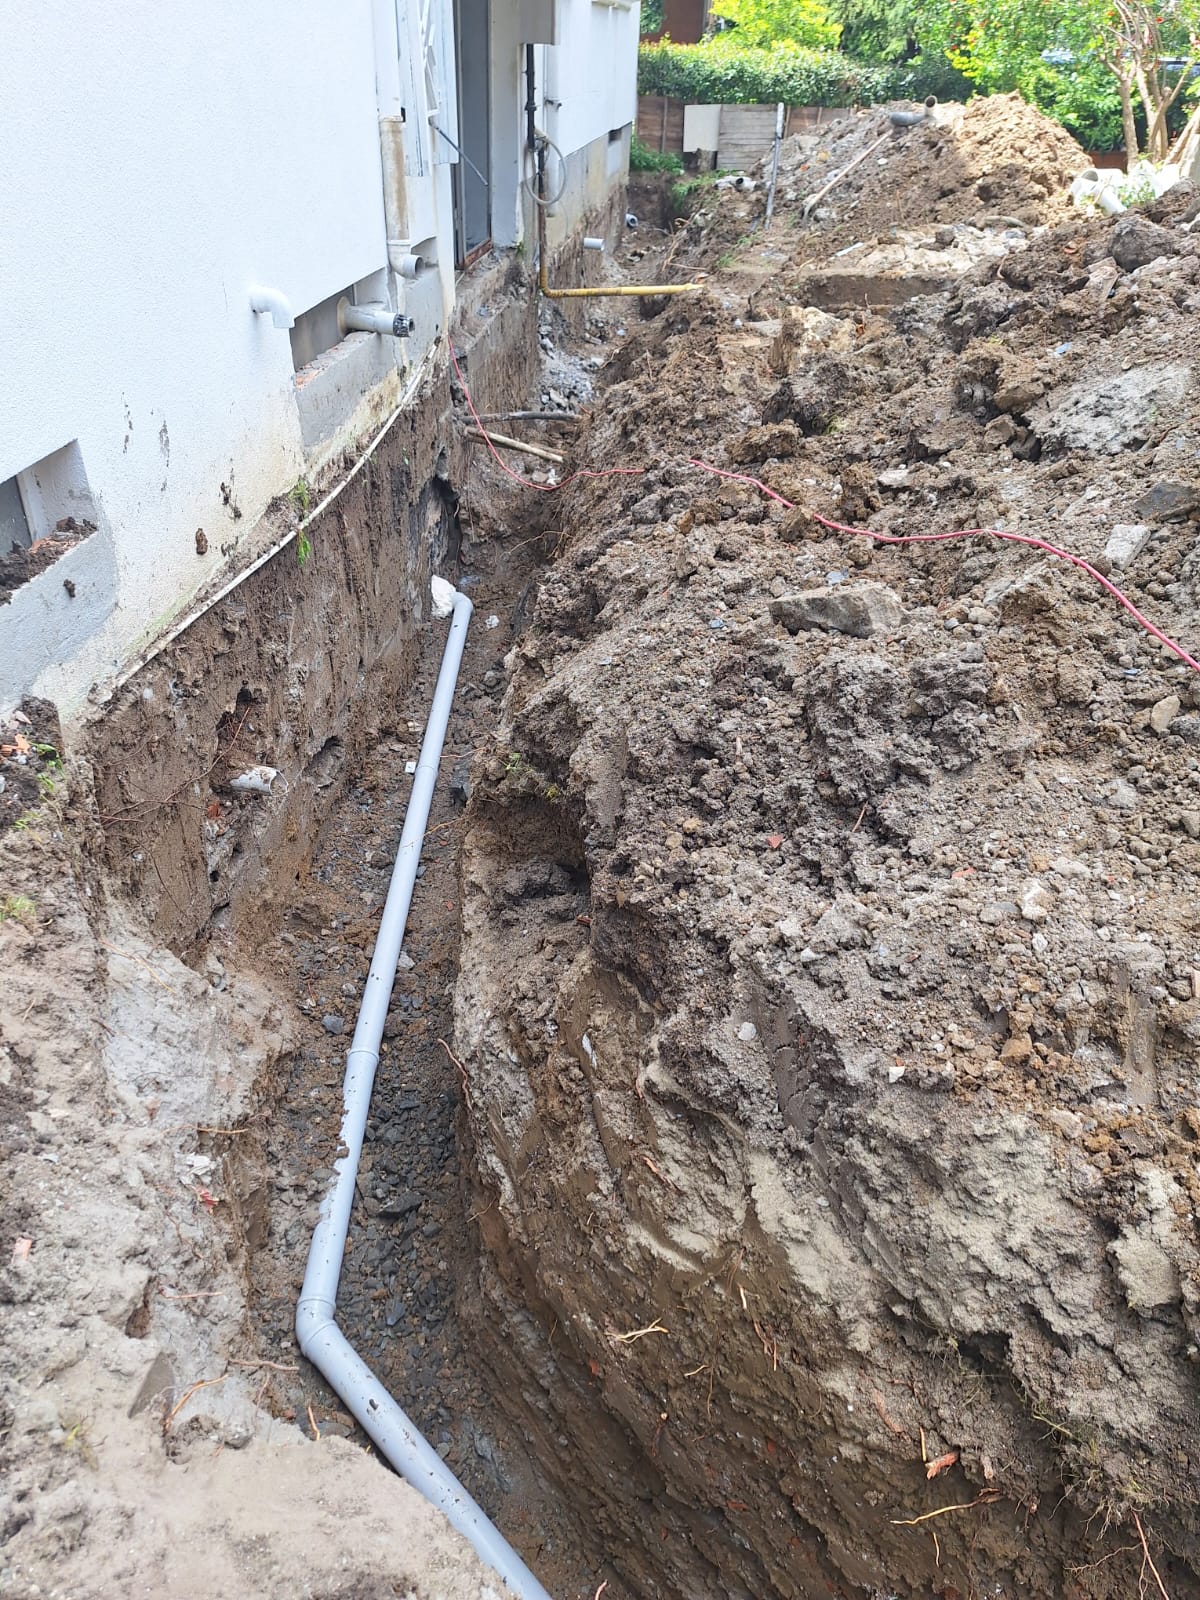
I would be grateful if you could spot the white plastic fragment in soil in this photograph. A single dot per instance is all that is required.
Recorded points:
(257, 780)
(443, 596)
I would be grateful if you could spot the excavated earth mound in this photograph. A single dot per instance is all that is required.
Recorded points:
(992, 156)
(829, 992)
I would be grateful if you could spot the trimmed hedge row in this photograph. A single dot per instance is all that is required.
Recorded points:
(722, 73)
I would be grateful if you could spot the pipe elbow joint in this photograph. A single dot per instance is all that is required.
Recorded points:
(270, 302)
(313, 1316)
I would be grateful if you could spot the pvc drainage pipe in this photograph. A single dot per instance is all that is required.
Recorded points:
(320, 1339)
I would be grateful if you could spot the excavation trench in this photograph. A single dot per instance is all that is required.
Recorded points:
(781, 1178)
(411, 1258)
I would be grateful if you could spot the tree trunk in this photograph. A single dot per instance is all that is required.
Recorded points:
(1128, 123)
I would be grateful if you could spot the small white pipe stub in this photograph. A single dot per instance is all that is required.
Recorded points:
(593, 244)
(270, 302)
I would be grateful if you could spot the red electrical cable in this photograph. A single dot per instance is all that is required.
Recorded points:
(840, 527)
(528, 483)
(970, 533)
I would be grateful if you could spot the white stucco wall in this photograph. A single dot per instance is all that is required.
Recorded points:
(586, 88)
(154, 165)
(591, 75)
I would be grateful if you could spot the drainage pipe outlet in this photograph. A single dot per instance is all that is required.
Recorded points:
(372, 319)
(321, 1340)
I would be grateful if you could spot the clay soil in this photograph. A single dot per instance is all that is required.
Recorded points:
(782, 1175)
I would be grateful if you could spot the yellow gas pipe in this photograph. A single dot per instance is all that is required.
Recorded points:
(588, 294)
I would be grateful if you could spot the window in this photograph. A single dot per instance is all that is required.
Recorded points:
(48, 500)
(316, 329)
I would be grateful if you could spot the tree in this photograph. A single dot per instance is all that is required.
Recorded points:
(767, 22)
(877, 30)
(1132, 47)
(1009, 44)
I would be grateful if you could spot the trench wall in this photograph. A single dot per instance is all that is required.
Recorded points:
(297, 669)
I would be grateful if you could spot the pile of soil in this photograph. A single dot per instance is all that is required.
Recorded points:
(829, 989)
(992, 156)
(21, 563)
(995, 162)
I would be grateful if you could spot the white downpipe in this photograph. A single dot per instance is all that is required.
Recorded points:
(319, 1336)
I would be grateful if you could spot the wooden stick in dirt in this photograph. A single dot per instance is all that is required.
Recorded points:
(814, 200)
(529, 416)
(515, 444)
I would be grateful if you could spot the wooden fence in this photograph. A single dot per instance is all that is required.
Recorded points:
(745, 131)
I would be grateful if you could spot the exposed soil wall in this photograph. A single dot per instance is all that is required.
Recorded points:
(828, 983)
(298, 669)
(153, 1431)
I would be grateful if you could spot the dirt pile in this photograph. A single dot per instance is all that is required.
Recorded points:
(995, 156)
(145, 1440)
(990, 166)
(829, 986)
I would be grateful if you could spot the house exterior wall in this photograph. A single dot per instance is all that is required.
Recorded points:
(158, 166)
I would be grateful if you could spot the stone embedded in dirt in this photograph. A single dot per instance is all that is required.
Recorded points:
(1168, 501)
(859, 609)
(1003, 430)
(1164, 713)
(1145, 1272)
(839, 928)
(1117, 411)
(401, 1204)
(1017, 393)
(1036, 900)
(1126, 542)
(1122, 796)
(760, 444)
(1136, 240)
(333, 1024)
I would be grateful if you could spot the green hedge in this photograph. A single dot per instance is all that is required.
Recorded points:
(722, 73)
(643, 159)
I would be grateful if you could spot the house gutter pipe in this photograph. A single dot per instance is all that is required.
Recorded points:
(319, 1337)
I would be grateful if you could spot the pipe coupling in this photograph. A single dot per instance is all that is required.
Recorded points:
(373, 319)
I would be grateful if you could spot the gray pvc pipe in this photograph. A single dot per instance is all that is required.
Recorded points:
(321, 1340)
(374, 319)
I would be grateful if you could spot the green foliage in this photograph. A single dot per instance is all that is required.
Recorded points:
(882, 31)
(999, 44)
(767, 22)
(1060, 56)
(651, 17)
(722, 72)
(643, 159)
(17, 908)
(303, 548)
(301, 496)
(1082, 97)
